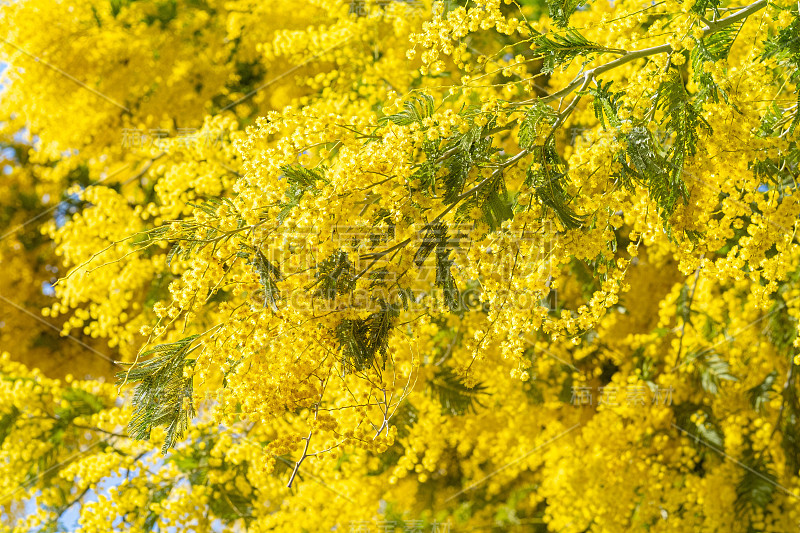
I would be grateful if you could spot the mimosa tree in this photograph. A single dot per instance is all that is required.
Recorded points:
(378, 266)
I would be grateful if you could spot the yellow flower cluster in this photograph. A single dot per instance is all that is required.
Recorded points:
(544, 273)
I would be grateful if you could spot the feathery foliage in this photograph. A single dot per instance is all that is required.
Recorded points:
(559, 50)
(269, 275)
(455, 397)
(760, 394)
(402, 265)
(606, 104)
(335, 275)
(701, 427)
(784, 49)
(711, 370)
(163, 393)
(561, 10)
(547, 177)
(301, 180)
(416, 109)
(757, 484)
(362, 340)
(708, 50)
(682, 122)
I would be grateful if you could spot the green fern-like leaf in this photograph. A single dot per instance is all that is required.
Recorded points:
(703, 432)
(459, 166)
(546, 179)
(301, 180)
(454, 396)
(335, 275)
(757, 485)
(760, 394)
(269, 275)
(644, 164)
(435, 235)
(700, 7)
(539, 118)
(163, 394)
(445, 279)
(713, 48)
(494, 202)
(559, 50)
(784, 48)
(718, 45)
(561, 10)
(78, 402)
(606, 104)
(682, 120)
(361, 341)
(465, 151)
(781, 327)
(683, 304)
(380, 326)
(415, 109)
(660, 167)
(351, 334)
(711, 370)
(7, 422)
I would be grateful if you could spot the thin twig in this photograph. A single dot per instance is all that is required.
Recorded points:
(710, 29)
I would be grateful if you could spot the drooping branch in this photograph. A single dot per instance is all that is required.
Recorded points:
(627, 57)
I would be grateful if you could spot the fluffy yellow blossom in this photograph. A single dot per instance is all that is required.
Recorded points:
(399, 264)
